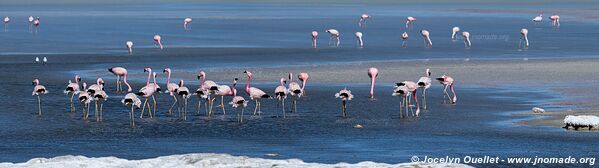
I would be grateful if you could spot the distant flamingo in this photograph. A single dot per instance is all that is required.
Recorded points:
(334, 36)
(454, 31)
(222, 91)
(186, 23)
(158, 41)
(171, 88)
(129, 45)
(30, 19)
(555, 20)
(402, 92)
(44, 60)
(73, 88)
(404, 37)
(538, 19)
(120, 72)
(448, 81)
(363, 19)
(6, 21)
(85, 99)
(238, 101)
(409, 21)
(372, 73)
(281, 94)
(146, 92)
(36, 23)
(185, 94)
(314, 35)
(37, 59)
(132, 100)
(466, 36)
(360, 41)
(39, 90)
(412, 88)
(303, 76)
(524, 33)
(295, 91)
(425, 83)
(345, 95)
(100, 97)
(427, 39)
(255, 93)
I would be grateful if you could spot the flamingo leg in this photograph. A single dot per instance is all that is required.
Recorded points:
(259, 108)
(343, 108)
(39, 103)
(222, 104)
(400, 108)
(101, 110)
(96, 112)
(211, 106)
(199, 105)
(424, 97)
(295, 105)
(72, 103)
(87, 111)
(283, 104)
(241, 116)
(256, 108)
(185, 109)
(153, 113)
(174, 102)
(144, 108)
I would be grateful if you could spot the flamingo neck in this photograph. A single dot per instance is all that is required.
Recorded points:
(452, 91)
(247, 85)
(304, 84)
(154, 77)
(149, 74)
(168, 78)
(126, 83)
(202, 83)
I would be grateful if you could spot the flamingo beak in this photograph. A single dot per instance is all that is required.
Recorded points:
(245, 71)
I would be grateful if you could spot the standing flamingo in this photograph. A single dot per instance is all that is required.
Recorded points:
(524, 33)
(360, 41)
(85, 99)
(185, 94)
(158, 41)
(404, 37)
(409, 21)
(425, 83)
(238, 101)
(345, 95)
(314, 35)
(6, 21)
(202, 93)
(334, 36)
(402, 92)
(39, 90)
(303, 76)
(363, 19)
(132, 100)
(73, 88)
(222, 91)
(36, 23)
(120, 72)
(100, 97)
(91, 90)
(555, 20)
(171, 88)
(281, 94)
(295, 91)
(448, 81)
(454, 31)
(427, 38)
(146, 92)
(129, 45)
(186, 23)
(466, 36)
(538, 19)
(412, 88)
(210, 88)
(44, 60)
(373, 73)
(30, 20)
(255, 93)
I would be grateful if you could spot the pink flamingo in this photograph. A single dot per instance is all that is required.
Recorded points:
(412, 88)
(345, 95)
(360, 41)
(185, 94)
(210, 88)
(404, 37)
(85, 99)
(363, 19)
(524, 33)
(409, 21)
(158, 41)
(100, 97)
(129, 45)
(202, 93)
(303, 76)
(36, 23)
(132, 100)
(6, 21)
(186, 23)
(281, 94)
(171, 88)
(73, 88)
(334, 36)
(222, 91)
(120, 72)
(146, 92)
(255, 93)
(91, 90)
(427, 38)
(467, 43)
(454, 31)
(295, 91)
(555, 20)
(314, 35)
(425, 83)
(538, 19)
(448, 81)
(372, 73)
(30, 20)
(238, 101)
(402, 92)
(39, 90)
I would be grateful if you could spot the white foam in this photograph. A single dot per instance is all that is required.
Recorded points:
(197, 160)
(582, 120)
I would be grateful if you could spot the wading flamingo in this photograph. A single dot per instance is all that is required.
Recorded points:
(30, 20)
(524, 33)
(238, 101)
(85, 99)
(202, 93)
(73, 88)
(146, 92)
(303, 76)
(120, 72)
(44, 60)
(314, 35)
(91, 90)
(171, 88)
(401, 92)
(409, 21)
(466, 36)
(345, 95)
(281, 94)
(185, 94)
(37, 60)
(404, 37)
(413, 89)
(295, 91)
(454, 31)
(255, 93)
(100, 97)
(39, 90)
(538, 19)
(363, 19)
(448, 81)
(210, 88)
(132, 100)
(425, 83)
(427, 38)
(360, 41)
(186, 23)
(6, 21)
(334, 36)
(555, 20)
(129, 45)
(158, 41)
(36, 23)
(373, 73)
(222, 91)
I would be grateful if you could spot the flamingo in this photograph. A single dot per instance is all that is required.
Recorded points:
(120, 72)
(555, 20)
(238, 101)
(37, 60)
(6, 21)
(171, 88)
(202, 93)
(73, 88)
(36, 23)
(158, 89)
(409, 21)
(255, 93)
(427, 39)
(402, 92)
(132, 100)
(222, 91)
(454, 31)
(100, 97)
(146, 92)
(404, 37)
(295, 91)
(524, 33)
(448, 81)
(372, 73)
(425, 83)
(360, 41)
(334, 36)
(314, 35)
(91, 90)
(538, 19)
(85, 99)
(30, 19)
(281, 94)
(185, 94)
(466, 36)
(44, 60)
(186, 23)
(303, 76)
(158, 41)
(412, 87)
(363, 19)
(210, 88)
(345, 95)
(39, 90)
(129, 45)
